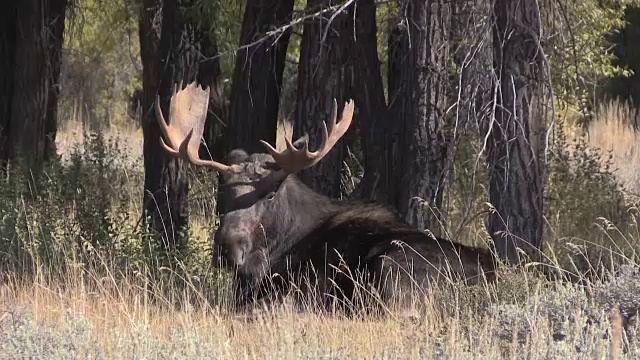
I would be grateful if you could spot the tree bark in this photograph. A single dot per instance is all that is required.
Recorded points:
(180, 60)
(516, 182)
(420, 87)
(471, 96)
(7, 56)
(399, 99)
(369, 97)
(39, 31)
(257, 77)
(149, 27)
(218, 107)
(472, 56)
(324, 74)
(57, 16)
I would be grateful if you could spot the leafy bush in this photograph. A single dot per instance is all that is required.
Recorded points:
(585, 206)
(86, 211)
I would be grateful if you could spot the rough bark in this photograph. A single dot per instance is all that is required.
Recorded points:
(472, 54)
(166, 184)
(257, 77)
(56, 26)
(516, 182)
(399, 100)
(420, 98)
(149, 27)
(324, 73)
(471, 96)
(39, 28)
(368, 94)
(7, 53)
(218, 107)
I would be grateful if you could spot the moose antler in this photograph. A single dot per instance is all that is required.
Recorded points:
(293, 160)
(187, 115)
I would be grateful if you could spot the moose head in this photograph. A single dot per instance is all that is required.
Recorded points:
(265, 207)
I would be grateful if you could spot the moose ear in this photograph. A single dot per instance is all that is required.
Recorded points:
(299, 144)
(237, 156)
(271, 165)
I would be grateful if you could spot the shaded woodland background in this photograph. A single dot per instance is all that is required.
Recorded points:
(488, 122)
(475, 120)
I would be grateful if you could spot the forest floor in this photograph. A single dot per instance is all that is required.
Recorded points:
(528, 318)
(100, 314)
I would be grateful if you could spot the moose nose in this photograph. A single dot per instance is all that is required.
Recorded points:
(237, 256)
(232, 248)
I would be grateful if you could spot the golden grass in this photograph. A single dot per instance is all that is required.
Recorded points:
(89, 314)
(612, 132)
(128, 310)
(285, 131)
(128, 138)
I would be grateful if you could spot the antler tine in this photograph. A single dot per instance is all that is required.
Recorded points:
(338, 129)
(163, 127)
(293, 160)
(187, 114)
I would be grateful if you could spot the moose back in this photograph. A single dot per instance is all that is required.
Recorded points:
(276, 232)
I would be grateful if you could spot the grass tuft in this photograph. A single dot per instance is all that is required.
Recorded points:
(79, 276)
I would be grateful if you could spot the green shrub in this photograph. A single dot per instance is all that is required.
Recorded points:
(585, 206)
(87, 211)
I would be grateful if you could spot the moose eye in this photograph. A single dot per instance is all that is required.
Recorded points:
(270, 195)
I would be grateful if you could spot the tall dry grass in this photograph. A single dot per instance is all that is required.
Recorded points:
(612, 131)
(90, 315)
(107, 310)
(126, 136)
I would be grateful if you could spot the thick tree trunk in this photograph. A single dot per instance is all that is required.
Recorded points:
(7, 56)
(472, 54)
(149, 27)
(368, 94)
(218, 107)
(180, 53)
(57, 16)
(516, 182)
(324, 73)
(39, 28)
(419, 101)
(257, 77)
(400, 96)
(472, 92)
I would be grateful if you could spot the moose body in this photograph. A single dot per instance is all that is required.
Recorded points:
(291, 235)
(294, 236)
(276, 232)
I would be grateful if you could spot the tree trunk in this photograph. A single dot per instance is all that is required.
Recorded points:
(257, 77)
(57, 16)
(214, 126)
(472, 94)
(324, 73)
(7, 56)
(471, 53)
(516, 183)
(39, 30)
(419, 98)
(180, 53)
(368, 94)
(399, 100)
(149, 27)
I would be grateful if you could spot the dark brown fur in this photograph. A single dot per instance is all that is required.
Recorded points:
(282, 231)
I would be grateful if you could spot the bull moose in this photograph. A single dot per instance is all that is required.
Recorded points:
(275, 227)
